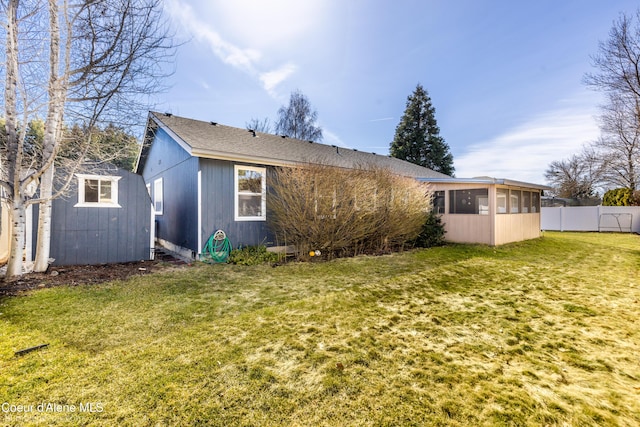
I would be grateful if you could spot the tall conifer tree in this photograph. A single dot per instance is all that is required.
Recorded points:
(418, 139)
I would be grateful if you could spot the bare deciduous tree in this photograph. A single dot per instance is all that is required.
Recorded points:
(298, 119)
(619, 143)
(258, 125)
(618, 75)
(340, 211)
(577, 177)
(84, 63)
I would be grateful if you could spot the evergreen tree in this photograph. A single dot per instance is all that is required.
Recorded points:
(418, 139)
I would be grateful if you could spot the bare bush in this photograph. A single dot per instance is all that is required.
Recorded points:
(345, 211)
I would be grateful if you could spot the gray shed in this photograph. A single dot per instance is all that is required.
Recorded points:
(106, 217)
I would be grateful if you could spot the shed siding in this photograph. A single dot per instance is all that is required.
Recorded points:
(178, 222)
(92, 235)
(218, 206)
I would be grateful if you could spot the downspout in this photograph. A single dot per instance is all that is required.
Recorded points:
(199, 214)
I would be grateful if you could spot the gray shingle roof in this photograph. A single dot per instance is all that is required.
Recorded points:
(213, 140)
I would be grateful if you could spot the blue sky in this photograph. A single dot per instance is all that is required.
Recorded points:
(505, 77)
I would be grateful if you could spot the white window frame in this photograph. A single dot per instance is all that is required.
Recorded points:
(113, 203)
(158, 196)
(236, 193)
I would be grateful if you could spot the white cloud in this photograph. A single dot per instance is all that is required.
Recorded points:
(524, 153)
(271, 79)
(331, 138)
(247, 60)
(273, 24)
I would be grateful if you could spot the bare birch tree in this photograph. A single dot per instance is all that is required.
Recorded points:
(75, 62)
(298, 119)
(618, 75)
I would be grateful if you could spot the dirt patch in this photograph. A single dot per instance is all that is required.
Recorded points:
(86, 274)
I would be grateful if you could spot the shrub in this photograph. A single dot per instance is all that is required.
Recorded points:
(345, 211)
(252, 255)
(618, 197)
(432, 233)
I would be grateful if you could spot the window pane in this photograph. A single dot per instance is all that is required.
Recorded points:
(91, 191)
(105, 191)
(515, 201)
(526, 201)
(438, 202)
(158, 196)
(469, 201)
(249, 205)
(501, 202)
(250, 193)
(249, 181)
(535, 202)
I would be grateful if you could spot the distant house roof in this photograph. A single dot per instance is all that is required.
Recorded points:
(216, 141)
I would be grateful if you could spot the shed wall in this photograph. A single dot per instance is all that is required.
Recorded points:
(97, 235)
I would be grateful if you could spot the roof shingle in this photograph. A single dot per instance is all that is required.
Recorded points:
(213, 140)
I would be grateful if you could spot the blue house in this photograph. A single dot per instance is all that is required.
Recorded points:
(204, 176)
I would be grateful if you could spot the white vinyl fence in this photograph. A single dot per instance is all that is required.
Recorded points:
(624, 219)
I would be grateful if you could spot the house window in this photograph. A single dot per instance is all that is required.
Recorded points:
(438, 202)
(325, 203)
(158, 197)
(535, 202)
(469, 201)
(97, 191)
(526, 201)
(502, 200)
(515, 201)
(250, 193)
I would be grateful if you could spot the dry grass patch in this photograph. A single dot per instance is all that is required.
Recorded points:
(536, 333)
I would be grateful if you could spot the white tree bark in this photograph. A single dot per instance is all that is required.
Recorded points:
(14, 144)
(51, 141)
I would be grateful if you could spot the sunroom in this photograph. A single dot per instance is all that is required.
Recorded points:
(487, 210)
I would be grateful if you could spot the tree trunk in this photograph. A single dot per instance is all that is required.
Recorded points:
(51, 136)
(43, 245)
(16, 253)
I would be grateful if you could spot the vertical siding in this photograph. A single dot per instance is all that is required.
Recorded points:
(517, 227)
(179, 172)
(218, 207)
(492, 229)
(92, 235)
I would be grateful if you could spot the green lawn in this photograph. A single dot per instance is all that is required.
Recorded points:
(544, 332)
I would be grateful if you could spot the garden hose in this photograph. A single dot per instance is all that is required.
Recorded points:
(217, 248)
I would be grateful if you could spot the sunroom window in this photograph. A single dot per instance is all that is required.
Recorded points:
(526, 201)
(250, 193)
(469, 201)
(97, 191)
(515, 201)
(502, 200)
(438, 202)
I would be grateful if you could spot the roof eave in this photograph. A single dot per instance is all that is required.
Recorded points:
(489, 181)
